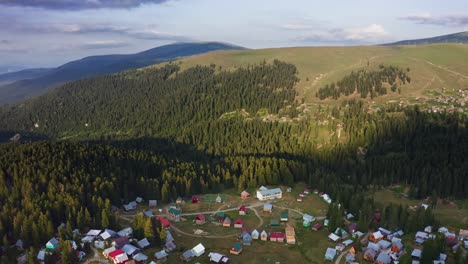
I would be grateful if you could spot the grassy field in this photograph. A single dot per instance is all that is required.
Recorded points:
(452, 215)
(432, 66)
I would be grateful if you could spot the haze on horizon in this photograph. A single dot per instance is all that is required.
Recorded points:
(52, 32)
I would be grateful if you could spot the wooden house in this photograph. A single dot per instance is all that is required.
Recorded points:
(370, 254)
(274, 222)
(267, 208)
(200, 219)
(397, 247)
(284, 217)
(383, 258)
(264, 235)
(238, 223)
(317, 227)
(290, 235)
(236, 249)
(219, 199)
(376, 237)
(277, 236)
(227, 222)
(179, 200)
(299, 199)
(246, 239)
(220, 217)
(243, 210)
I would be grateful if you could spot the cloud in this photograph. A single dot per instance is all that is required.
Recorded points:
(369, 34)
(446, 20)
(103, 44)
(4, 41)
(296, 27)
(79, 4)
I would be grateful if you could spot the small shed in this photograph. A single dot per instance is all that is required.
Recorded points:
(52, 244)
(195, 199)
(187, 255)
(317, 227)
(242, 210)
(236, 249)
(219, 199)
(246, 239)
(255, 234)
(264, 235)
(198, 250)
(179, 200)
(139, 200)
(245, 195)
(284, 217)
(227, 222)
(152, 203)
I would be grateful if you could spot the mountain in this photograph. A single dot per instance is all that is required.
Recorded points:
(10, 77)
(461, 37)
(105, 64)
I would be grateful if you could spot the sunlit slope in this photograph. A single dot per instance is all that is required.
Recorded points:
(432, 66)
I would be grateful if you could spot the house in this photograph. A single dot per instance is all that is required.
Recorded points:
(284, 217)
(307, 191)
(349, 216)
(170, 246)
(98, 244)
(41, 255)
(107, 234)
(246, 239)
(340, 247)
(374, 246)
(118, 256)
(325, 222)
(384, 244)
(290, 235)
(174, 205)
(106, 251)
(333, 237)
(179, 200)
(126, 232)
(218, 258)
(330, 254)
(264, 235)
(87, 239)
(120, 242)
(243, 210)
(130, 206)
(341, 232)
(198, 250)
(140, 257)
(416, 253)
(317, 227)
(267, 208)
(245, 195)
(465, 244)
(370, 254)
(463, 234)
(255, 234)
(195, 199)
(149, 213)
(350, 258)
(187, 255)
(200, 219)
(383, 258)
(326, 198)
(376, 236)
(428, 229)
(308, 217)
(130, 250)
(164, 222)
(152, 203)
(267, 194)
(443, 230)
(173, 214)
(288, 189)
(302, 195)
(277, 236)
(236, 249)
(52, 244)
(227, 222)
(397, 247)
(357, 234)
(219, 199)
(143, 243)
(299, 199)
(238, 223)
(421, 235)
(139, 200)
(169, 237)
(348, 242)
(274, 222)
(352, 227)
(161, 255)
(384, 231)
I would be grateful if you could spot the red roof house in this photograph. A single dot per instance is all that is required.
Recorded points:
(238, 223)
(195, 199)
(200, 219)
(118, 256)
(164, 221)
(277, 236)
(243, 210)
(245, 195)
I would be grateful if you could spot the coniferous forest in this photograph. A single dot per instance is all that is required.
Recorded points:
(158, 133)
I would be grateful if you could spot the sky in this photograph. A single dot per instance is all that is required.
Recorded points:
(48, 33)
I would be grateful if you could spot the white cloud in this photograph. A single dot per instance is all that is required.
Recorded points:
(453, 20)
(372, 33)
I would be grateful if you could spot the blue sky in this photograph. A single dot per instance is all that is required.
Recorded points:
(44, 33)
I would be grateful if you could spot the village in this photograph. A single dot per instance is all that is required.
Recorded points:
(220, 228)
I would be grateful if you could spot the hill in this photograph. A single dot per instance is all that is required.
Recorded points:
(10, 77)
(99, 65)
(432, 67)
(461, 37)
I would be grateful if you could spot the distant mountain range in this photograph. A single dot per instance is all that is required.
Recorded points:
(32, 82)
(461, 37)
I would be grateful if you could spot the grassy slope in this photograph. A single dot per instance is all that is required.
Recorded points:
(335, 62)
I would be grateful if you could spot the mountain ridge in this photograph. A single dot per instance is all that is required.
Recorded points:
(460, 37)
(103, 64)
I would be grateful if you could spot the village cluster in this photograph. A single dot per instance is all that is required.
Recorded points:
(381, 246)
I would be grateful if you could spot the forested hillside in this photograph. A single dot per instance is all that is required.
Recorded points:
(158, 133)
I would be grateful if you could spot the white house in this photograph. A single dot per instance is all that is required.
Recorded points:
(198, 250)
(267, 194)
